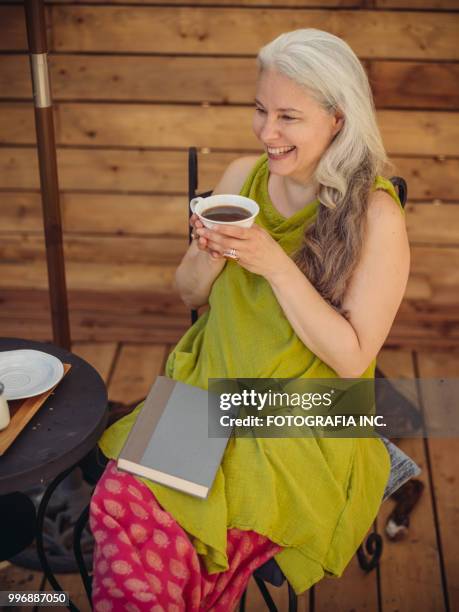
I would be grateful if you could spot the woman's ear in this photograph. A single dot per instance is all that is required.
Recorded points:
(338, 122)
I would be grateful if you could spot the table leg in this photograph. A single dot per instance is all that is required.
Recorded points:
(40, 545)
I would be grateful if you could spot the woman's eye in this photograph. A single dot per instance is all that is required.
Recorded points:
(288, 118)
(259, 110)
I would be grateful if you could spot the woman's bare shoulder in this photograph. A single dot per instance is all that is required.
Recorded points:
(383, 206)
(235, 174)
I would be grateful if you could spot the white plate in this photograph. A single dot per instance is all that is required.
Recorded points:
(26, 372)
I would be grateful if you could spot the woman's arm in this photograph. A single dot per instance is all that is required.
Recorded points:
(198, 270)
(196, 274)
(373, 296)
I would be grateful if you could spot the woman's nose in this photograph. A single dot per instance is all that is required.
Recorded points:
(270, 130)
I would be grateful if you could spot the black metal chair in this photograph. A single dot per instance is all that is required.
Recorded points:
(270, 571)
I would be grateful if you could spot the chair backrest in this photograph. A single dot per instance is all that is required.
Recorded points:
(398, 182)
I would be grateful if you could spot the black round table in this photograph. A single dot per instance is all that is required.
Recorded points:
(65, 428)
(63, 431)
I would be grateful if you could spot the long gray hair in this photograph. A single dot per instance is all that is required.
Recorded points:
(331, 72)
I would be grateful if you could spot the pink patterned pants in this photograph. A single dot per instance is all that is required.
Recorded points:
(144, 560)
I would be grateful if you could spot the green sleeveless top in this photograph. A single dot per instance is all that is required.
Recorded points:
(316, 497)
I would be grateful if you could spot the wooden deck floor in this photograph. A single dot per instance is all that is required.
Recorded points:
(419, 574)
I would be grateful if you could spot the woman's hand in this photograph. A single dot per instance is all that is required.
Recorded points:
(256, 251)
(201, 241)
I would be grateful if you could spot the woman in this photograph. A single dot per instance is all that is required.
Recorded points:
(310, 291)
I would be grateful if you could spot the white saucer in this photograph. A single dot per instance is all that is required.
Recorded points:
(26, 372)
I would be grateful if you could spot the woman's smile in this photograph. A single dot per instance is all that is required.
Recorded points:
(278, 153)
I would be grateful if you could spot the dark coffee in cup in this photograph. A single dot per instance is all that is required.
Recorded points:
(226, 214)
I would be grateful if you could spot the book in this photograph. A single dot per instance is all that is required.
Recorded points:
(169, 443)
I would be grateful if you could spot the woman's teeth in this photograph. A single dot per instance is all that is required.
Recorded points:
(279, 151)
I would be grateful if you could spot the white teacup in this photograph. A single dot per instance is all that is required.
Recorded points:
(199, 205)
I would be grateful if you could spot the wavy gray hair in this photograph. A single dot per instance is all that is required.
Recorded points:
(330, 71)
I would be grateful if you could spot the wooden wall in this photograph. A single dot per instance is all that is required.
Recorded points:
(136, 83)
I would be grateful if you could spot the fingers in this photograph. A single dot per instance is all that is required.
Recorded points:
(233, 231)
(215, 246)
(195, 221)
(216, 255)
(216, 241)
(196, 224)
(202, 244)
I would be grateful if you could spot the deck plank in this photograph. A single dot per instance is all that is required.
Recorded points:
(15, 578)
(444, 459)
(355, 590)
(136, 370)
(410, 569)
(99, 354)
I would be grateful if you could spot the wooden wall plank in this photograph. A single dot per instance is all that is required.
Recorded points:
(447, 5)
(205, 30)
(418, 133)
(108, 170)
(17, 123)
(108, 214)
(434, 224)
(429, 177)
(158, 216)
(445, 468)
(111, 170)
(14, 37)
(427, 5)
(202, 79)
(414, 339)
(136, 303)
(415, 84)
(96, 249)
(166, 172)
(438, 327)
(167, 216)
(410, 570)
(132, 125)
(144, 126)
(248, 3)
(22, 211)
(440, 268)
(155, 215)
(124, 277)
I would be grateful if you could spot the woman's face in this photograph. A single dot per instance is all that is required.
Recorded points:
(293, 128)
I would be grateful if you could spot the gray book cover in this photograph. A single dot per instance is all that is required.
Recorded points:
(169, 442)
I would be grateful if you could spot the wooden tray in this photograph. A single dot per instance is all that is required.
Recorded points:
(22, 410)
